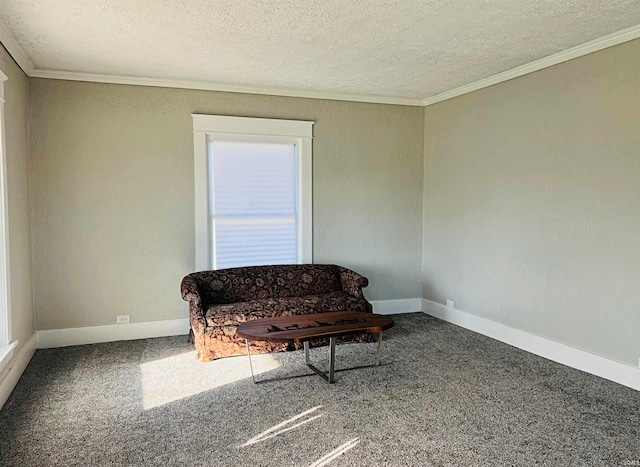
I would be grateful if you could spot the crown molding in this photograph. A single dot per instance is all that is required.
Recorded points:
(595, 45)
(23, 60)
(224, 87)
(14, 49)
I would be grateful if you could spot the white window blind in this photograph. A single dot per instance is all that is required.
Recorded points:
(253, 203)
(253, 191)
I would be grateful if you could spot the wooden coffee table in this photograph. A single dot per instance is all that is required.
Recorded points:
(303, 328)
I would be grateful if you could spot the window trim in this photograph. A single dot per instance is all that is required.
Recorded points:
(6, 346)
(220, 127)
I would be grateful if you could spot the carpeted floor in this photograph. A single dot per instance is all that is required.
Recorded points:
(443, 396)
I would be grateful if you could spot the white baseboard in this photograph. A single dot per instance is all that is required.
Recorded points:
(173, 327)
(626, 375)
(15, 368)
(111, 333)
(6, 356)
(394, 307)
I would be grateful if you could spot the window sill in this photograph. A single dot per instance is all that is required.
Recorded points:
(6, 353)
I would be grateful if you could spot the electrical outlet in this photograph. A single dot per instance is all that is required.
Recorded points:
(122, 319)
(450, 304)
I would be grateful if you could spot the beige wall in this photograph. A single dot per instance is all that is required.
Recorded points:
(113, 194)
(532, 203)
(531, 199)
(21, 294)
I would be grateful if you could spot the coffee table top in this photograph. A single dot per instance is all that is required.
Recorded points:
(300, 328)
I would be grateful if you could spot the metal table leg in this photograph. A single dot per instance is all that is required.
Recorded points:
(379, 349)
(332, 359)
(250, 364)
(329, 376)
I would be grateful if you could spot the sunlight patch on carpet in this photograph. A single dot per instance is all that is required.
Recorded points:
(337, 452)
(170, 379)
(283, 428)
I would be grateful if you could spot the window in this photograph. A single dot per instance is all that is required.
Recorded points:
(253, 191)
(5, 324)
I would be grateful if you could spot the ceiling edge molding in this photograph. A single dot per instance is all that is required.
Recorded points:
(595, 45)
(223, 87)
(610, 40)
(14, 49)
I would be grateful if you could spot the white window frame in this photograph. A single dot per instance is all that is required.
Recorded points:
(208, 128)
(6, 346)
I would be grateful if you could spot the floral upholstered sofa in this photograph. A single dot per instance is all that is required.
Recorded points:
(221, 300)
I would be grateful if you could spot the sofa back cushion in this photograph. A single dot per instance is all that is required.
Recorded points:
(298, 280)
(258, 282)
(235, 284)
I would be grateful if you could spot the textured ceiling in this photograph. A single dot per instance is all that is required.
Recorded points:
(400, 48)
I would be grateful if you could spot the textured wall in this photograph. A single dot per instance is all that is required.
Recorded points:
(21, 292)
(532, 203)
(112, 194)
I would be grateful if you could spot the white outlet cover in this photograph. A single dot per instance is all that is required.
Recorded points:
(450, 303)
(122, 319)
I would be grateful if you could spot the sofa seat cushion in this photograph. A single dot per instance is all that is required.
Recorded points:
(233, 314)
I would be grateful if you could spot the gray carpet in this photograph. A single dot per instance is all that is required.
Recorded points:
(443, 396)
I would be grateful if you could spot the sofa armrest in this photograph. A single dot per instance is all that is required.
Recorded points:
(191, 294)
(189, 290)
(352, 282)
